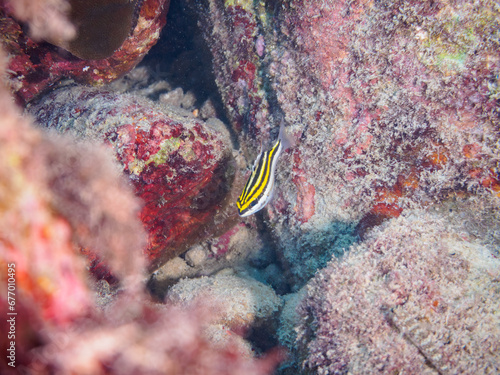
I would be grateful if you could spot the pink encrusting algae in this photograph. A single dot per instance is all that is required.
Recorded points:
(385, 100)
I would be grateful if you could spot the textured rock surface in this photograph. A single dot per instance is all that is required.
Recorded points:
(54, 190)
(394, 104)
(180, 167)
(234, 33)
(236, 248)
(242, 301)
(34, 66)
(416, 296)
(398, 100)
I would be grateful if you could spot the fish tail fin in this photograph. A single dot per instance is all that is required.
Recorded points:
(287, 139)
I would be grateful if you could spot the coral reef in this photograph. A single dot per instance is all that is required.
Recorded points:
(389, 199)
(417, 296)
(394, 104)
(56, 192)
(35, 66)
(180, 167)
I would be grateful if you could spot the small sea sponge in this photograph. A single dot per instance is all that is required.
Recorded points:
(416, 297)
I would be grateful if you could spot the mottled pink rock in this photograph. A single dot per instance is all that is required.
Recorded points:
(416, 296)
(180, 168)
(238, 50)
(389, 124)
(385, 100)
(55, 192)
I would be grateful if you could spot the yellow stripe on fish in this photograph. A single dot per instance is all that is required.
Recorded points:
(259, 188)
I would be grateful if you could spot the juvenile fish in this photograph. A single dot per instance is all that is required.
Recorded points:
(258, 190)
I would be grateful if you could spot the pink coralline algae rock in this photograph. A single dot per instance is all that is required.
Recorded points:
(55, 192)
(417, 296)
(180, 167)
(389, 98)
(394, 105)
(134, 336)
(238, 49)
(34, 66)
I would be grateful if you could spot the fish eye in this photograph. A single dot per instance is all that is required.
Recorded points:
(253, 203)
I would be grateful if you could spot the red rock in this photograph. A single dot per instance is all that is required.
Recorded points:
(180, 168)
(35, 66)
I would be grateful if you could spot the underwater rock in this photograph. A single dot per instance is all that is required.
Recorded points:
(235, 248)
(34, 66)
(290, 318)
(242, 301)
(394, 105)
(117, 338)
(244, 305)
(391, 125)
(180, 168)
(232, 32)
(54, 191)
(417, 296)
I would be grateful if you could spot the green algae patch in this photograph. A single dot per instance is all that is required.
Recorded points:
(167, 146)
(456, 35)
(188, 154)
(245, 4)
(452, 61)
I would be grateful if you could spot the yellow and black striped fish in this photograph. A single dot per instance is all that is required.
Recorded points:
(258, 190)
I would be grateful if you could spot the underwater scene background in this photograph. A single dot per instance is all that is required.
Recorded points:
(129, 128)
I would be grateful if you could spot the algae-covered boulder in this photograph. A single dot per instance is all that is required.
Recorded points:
(417, 296)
